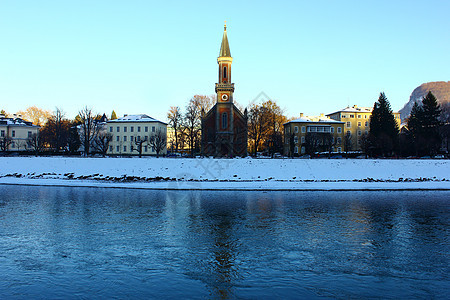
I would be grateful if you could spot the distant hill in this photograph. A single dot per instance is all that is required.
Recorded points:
(440, 89)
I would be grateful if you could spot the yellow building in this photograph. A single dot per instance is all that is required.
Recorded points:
(128, 132)
(357, 123)
(321, 134)
(15, 133)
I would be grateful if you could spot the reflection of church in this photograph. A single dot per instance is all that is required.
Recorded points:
(224, 127)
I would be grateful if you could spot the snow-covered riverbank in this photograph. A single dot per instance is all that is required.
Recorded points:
(227, 174)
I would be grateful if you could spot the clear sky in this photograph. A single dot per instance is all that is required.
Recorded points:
(143, 56)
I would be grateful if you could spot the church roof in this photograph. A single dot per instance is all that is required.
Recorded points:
(225, 47)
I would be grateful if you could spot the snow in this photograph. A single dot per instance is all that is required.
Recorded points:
(135, 118)
(229, 174)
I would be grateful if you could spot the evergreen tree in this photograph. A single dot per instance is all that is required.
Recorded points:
(113, 115)
(424, 124)
(383, 133)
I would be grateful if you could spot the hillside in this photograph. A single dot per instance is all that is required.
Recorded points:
(440, 89)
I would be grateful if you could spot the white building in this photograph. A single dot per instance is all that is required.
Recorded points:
(15, 133)
(129, 130)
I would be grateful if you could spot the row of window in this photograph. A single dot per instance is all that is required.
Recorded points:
(13, 133)
(303, 149)
(353, 116)
(131, 129)
(303, 140)
(349, 124)
(318, 129)
(144, 148)
(132, 138)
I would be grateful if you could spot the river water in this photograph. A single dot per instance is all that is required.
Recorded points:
(59, 242)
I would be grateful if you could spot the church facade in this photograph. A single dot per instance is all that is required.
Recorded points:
(224, 127)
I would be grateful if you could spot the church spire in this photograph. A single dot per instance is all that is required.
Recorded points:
(225, 47)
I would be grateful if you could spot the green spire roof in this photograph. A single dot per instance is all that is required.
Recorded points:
(225, 47)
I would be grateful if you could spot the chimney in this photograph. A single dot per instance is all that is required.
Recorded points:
(322, 115)
(301, 115)
(125, 115)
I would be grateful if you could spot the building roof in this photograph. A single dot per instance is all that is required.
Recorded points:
(135, 118)
(225, 47)
(320, 119)
(15, 122)
(354, 109)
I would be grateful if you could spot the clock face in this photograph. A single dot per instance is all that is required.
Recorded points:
(224, 97)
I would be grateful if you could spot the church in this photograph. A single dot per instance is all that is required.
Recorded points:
(224, 127)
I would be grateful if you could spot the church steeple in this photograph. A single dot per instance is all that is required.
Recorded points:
(224, 88)
(225, 47)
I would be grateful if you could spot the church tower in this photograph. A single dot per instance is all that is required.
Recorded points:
(224, 127)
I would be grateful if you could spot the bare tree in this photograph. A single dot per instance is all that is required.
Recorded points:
(258, 128)
(36, 115)
(175, 121)
(158, 141)
(347, 143)
(36, 143)
(88, 128)
(101, 142)
(192, 123)
(5, 141)
(139, 144)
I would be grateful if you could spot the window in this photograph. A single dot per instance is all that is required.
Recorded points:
(125, 129)
(139, 138)
(224, 72)
(296, 139)
(118, 129)
(339, 149)
(13, 144)
(124, 148)
(110, 129)
(131, 129)
(139, 128)
(366, 123)
(303, 129)
(145, 148)
(349, 124)
(117, 138)
(110, 148)
(366, 132)
(295, 129)
(359, 116)
(303, 139)
(349, 133)
(131, 148)
(339, 129)
(359, 132)
(13, 133)
(295, 149)
(332, 129)
(2, 133)
(146, 128)
(320, 129)
(359, 123)
(352, 116)
(124, 138)
(224, 120)
(153, 128)
(29, 134)
(338, 140)
(117, 149)
(365, 117)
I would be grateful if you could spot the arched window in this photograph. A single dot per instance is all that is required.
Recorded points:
(224, 72)
(224, 120)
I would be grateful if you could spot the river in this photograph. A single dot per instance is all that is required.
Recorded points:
(60, 242)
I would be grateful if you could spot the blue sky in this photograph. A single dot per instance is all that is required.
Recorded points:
(142, 56)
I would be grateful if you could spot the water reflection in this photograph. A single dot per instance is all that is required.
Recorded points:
(81, 242)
